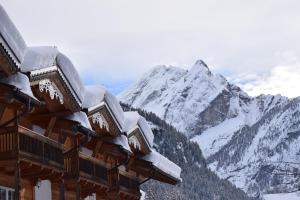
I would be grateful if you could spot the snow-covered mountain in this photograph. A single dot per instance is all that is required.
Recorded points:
(196, 176)
(176, 95)
(247, 140)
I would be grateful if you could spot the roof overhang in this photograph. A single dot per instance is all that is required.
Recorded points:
(104, 109)
(53, 80)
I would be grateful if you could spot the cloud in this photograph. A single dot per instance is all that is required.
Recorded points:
(116, 41)
(284, 80)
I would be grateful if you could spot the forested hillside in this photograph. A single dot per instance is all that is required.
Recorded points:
(198, 181)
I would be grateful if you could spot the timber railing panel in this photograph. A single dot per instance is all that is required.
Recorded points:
(71, 163)
(30, 146)
(87, 167)
(92, 168)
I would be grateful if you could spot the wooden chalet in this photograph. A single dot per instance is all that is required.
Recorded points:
(55, 82)
(76, 137)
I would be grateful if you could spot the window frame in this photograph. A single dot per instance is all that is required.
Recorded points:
(7, 190)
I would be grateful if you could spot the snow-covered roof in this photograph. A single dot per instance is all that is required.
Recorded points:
(10, 38)
(96, 96)
(20, 81)
(44, 59)
(81, 118)
(133, 120)
(163, 164)
(38, 58)
(122, 141)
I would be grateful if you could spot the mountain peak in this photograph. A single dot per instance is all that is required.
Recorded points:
(201, 66)
(201, 63)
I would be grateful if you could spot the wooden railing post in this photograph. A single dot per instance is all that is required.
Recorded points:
(78, 190)
(17, 171)
(17, 181)
(62, 189)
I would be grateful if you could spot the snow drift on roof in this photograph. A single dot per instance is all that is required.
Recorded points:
(20, 81)
(81, 118)
(93, 96)
(10, 37)
(71, 74)
(96, 95)
(163, 164)
(134, 120)
(122, 141)
(38, 58)
(41, 58)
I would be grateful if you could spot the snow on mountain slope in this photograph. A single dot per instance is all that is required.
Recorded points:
(245, 139)
(283, 196)
(176, 95)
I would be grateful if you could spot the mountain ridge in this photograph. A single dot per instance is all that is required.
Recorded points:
(232, 128)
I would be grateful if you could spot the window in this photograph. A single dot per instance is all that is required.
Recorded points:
(6, 193)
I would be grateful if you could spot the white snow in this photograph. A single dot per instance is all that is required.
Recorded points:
(93, 96)
(122, 141)
(133, 120)
(180, 96)
(70, 72)
(20, 81)
(38, 58)
(283, 196)
(163, 164)
(174, 94)
(143, 195)
(81, 118)
(213, 139)
(10, 37)
(86, 151)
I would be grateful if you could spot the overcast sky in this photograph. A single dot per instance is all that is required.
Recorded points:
(255, 44)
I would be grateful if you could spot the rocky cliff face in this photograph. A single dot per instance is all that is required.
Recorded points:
(247, 140)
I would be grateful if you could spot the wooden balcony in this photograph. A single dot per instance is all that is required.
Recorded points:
(19, 143)
(85, 167)
(90, 172)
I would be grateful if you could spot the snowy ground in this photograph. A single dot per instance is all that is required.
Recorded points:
(283, 196)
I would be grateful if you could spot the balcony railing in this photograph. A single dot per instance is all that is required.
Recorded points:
(28, 145)
(78, 164)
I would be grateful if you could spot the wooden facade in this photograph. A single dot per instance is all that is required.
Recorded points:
(49, 132)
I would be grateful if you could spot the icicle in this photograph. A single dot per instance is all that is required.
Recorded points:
(50, 87)
(98, 118)
(133, 141)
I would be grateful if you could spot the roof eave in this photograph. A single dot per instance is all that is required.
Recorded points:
(44, 71)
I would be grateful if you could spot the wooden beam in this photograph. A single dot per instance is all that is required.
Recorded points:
(78, 191)
(53, 114)
(62, 190)
(43, 174)
(17, 181)
(2, 110)
(97, 147)
(50, 126)
(130, 163)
